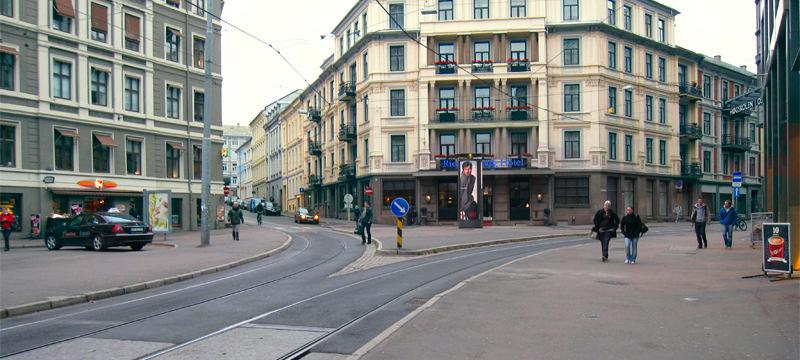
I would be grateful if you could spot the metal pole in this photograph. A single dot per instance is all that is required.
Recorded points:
(205, 239)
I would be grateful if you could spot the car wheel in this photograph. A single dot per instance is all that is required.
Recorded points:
(97, 243)
(51, 242)
(137, 247)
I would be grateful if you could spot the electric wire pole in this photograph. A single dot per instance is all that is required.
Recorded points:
(205, 239)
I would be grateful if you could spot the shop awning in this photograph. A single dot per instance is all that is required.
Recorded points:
(95, 192)
(67, 132)
(64, 8)
(106, 140)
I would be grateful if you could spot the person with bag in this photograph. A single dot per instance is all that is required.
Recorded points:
(699, 221)
(632, 228)
(727, 217)
(236, 217)
(7, 223)
(366, 224)
(605, 227)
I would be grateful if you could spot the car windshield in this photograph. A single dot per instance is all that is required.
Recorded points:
(119, 218)
(303, 211)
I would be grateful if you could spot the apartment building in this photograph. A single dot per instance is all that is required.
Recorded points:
(293, 157)
(244, 156)
(274, 151)
(258, 148)
(100, 100)
(234, 136)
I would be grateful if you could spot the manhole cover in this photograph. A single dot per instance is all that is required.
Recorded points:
(613, 282)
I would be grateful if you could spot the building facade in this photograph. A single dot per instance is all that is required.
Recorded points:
(273, 191)
(244, 156)
(100, 100)
(234, 136)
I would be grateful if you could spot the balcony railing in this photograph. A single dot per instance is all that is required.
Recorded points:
(347, 171)
(446, 115)
(518, 65)
(691, 92)
(483, 114)
(314, 115)
(482, 67)
(347, 132)
(314, 181)
(518, 112)
(691, 132)
(735, 143)
(347, 91)
(691, 170)
(445, 67)
(314, 148)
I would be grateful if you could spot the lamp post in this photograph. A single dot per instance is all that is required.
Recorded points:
(205, 238)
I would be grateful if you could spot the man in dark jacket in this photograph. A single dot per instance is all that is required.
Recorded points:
(699, 220)
(605, 225)
(366, 224)
(632, 228)
(236, 217)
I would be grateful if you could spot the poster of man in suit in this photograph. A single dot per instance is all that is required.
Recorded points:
(469, 194)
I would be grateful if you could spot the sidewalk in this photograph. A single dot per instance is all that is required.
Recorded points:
(52, 278)
(676, 302)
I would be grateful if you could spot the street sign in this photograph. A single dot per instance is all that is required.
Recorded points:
(348, 199)
(736, 179)
(736, 192)
(226, 190)
(302, 190)
(368, 191)
(400, 207)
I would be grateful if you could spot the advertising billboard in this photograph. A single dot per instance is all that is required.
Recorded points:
(470, 193)
(777, 252)
(157, 205)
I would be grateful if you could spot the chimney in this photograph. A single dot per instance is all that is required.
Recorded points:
(718, 57)
(743, 67)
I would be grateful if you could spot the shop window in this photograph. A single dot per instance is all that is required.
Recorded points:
(572, 191)
(448, 204)
(177, 213)
(12, 202)
(393, 189)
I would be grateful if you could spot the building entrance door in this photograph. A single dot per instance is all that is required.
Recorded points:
(519, 199)
(448, 207)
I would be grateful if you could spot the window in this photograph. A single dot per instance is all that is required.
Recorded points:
(753, 138)
(648, 108)
(63, 12)
(445, 10)
(628, 54)
(397, 60)
(519, 143)
(396, 13)
(753, 171)
(518, 8)
(341, 45)
(447, 98)
(480, 51)
(133, 156)
(572, 191)
(172, 48)
(707, 161)
(572, 52)
(627, 13)
(726, 164)
(197, 162)
(198, 48)
(101, 153)
(519, 49)
(629, 103)
(7, 74)
(735, 90)
(662, 110)
(132, 32)
(447, 144)
(612, 55)
(447, 52)
(612, 146)
(398, 151)
(365, 67)
(174, 160)
(483, 97)
(98, 94)
(519, 96)
(662, 31)
(707, 124)
(174, 3)
(649, 150)
(572, 144)
(481, 9)
(648, 25)
(131, 94)
(63, 146)
(99, 28)
(572, 98)
(173, 102)
(628, 148)
(62, 79)
(648, 66)
(612, 100)
(662, 69)
(199, 106)
(366, 152)
(7, 8)
(571, 10)
(348, 38)
(398, 188)
(612, 12)
(397, 100)
(662, 152)
(483, 143)
(683, 114)
(8, 149)
(199, 7)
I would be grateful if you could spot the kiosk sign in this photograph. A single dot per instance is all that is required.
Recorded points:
(777, 252)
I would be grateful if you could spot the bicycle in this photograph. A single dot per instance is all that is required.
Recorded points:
(741, 224)
(258, 218)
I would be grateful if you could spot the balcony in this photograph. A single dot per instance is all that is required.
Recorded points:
(314, 148)
(691, 132)
(485, 66)
(347, 132)
(735, 143)
(314, 115)
(347, 172)
(518, 65)
(691, 170)
(347, 91)
(483, 114)
(690, 92)
(446, 115)
(314, 181)
(518, 112)
(445, 67)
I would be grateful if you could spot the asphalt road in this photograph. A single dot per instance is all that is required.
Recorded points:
(279, 306)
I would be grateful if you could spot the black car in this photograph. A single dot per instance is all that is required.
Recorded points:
(303, 217)
(271, 210)
(97, 231)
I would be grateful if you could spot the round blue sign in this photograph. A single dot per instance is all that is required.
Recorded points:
(399, 207)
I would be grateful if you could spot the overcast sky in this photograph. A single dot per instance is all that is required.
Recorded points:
(254, 75)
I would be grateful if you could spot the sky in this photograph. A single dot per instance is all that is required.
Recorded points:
(254, 75)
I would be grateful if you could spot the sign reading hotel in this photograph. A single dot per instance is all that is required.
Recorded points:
(777, 254)
(489, 164)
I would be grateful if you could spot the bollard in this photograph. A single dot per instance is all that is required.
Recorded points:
(399, 233)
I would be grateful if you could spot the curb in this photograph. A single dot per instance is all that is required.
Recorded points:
(58, 302)
(41, 246)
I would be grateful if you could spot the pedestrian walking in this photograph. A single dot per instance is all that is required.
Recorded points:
(699, 221)
(678, 210)
(133, 211)
(727, 217)
(236, 217)
(632, 228)
(7, 223)
(366, 224)
(605, 225)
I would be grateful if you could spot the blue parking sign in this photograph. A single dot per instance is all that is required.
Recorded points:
(399, 207)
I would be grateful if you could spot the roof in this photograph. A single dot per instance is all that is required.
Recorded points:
(671, 10)
(235, 130)
(349, 13)
(734, 68)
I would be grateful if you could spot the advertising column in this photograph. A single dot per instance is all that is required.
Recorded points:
(157, 210)
(470, 194)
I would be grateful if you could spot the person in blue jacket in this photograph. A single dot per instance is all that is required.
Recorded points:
(727, 217)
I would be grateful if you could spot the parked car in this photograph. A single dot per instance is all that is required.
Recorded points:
(270, 209)
(252, 203)
(243, 203)
(302, 216)
(98, 231)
